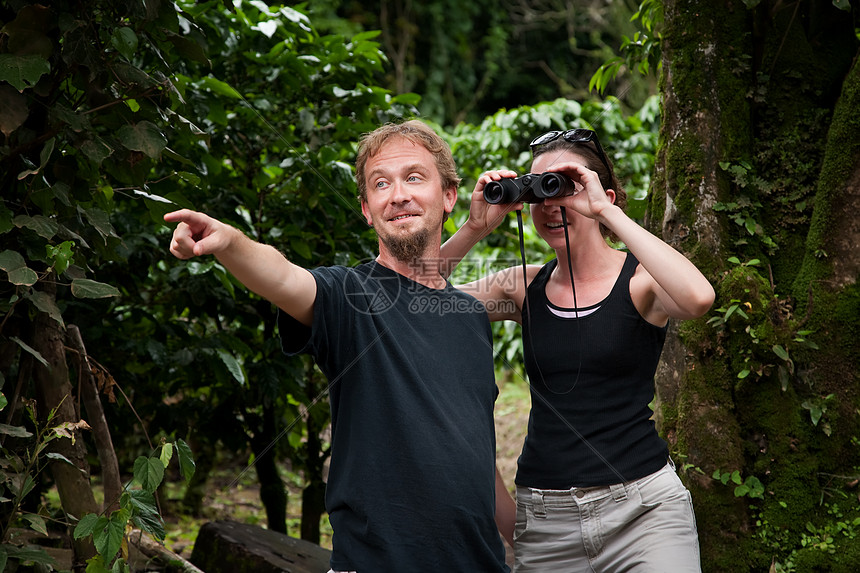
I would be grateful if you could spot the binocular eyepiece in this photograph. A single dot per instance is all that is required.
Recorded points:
(530, 188)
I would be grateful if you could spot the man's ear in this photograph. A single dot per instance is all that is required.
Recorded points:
(366, 212)
(450, 199)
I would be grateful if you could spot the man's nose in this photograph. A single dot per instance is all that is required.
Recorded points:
(400, 192)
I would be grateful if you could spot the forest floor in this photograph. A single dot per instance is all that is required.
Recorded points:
(234, 494)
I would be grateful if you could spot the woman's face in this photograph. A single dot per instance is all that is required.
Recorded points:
(547, 219)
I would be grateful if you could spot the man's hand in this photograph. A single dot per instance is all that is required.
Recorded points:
(197, 234)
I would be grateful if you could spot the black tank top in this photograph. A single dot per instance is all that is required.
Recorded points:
(594, 429)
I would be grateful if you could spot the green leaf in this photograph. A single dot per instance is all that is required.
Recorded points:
(61, 458)
(14, 431)
(15, 266)
(97, 565)
(21, 485)
(87, 288)
(23, 277)
(10, 260)
(125, 41)
(22, 71)
(37, 523)
(780, 351)
(47, 304)
(730, 311)
(220, 88)
(100, 220)
(148, 472)
(15, 109)
(60, 255)
(43, 226)
(143, 136)
(232, 365)
(5, 220)
(44, 156)
(187, 466)
(29, 554)
(302, 248)
(166, 454)
(31, 350)
(145, 513)
(96, 150)
(815, 413)
(107, 537)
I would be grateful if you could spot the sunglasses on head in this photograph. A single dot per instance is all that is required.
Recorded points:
(572, 136)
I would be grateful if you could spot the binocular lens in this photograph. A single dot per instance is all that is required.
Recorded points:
(550, 185)
(502, 191)
(493, 192)
(530, 188)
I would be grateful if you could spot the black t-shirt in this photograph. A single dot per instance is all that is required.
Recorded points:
(591, 372)
(411, 386)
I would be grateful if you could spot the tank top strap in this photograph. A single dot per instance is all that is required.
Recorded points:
(629, 268)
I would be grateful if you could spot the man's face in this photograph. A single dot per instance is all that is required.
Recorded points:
(405, 201)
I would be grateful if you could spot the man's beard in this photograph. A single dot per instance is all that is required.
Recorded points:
(407, 249)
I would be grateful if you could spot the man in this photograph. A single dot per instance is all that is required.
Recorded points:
(408, 358)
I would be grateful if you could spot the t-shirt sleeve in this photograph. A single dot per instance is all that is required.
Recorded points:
(297, 338)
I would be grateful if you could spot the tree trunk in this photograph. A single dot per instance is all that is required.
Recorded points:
(273, 494)
(54, 392)
(748, 98)
(111, 479)
(313, 495)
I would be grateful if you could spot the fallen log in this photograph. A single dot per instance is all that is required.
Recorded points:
(231, 547)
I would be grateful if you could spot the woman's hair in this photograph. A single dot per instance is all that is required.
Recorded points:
(418, 133)
(588, 152)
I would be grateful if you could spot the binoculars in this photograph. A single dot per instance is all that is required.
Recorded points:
(530, 188)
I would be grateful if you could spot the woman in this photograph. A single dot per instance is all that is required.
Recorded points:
(596, 490)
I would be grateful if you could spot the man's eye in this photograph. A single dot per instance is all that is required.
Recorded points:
(380, 184)
(412, 178)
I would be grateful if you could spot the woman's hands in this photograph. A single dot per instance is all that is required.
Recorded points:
(590, 198)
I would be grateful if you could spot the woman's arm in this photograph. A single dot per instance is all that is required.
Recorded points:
(483, 219)
(672, 286)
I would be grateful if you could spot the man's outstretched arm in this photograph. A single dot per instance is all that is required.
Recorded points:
(261, 268)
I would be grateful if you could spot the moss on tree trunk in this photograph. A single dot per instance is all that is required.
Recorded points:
(758, 160)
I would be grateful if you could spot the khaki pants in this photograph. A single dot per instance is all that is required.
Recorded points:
(646, 525)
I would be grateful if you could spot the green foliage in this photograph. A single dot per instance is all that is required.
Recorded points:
(470, 59)
(137, 507)
(20, 468)
(828, 541)
(124, 111)
(642, 52)
(750, 487)
(772, 334)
